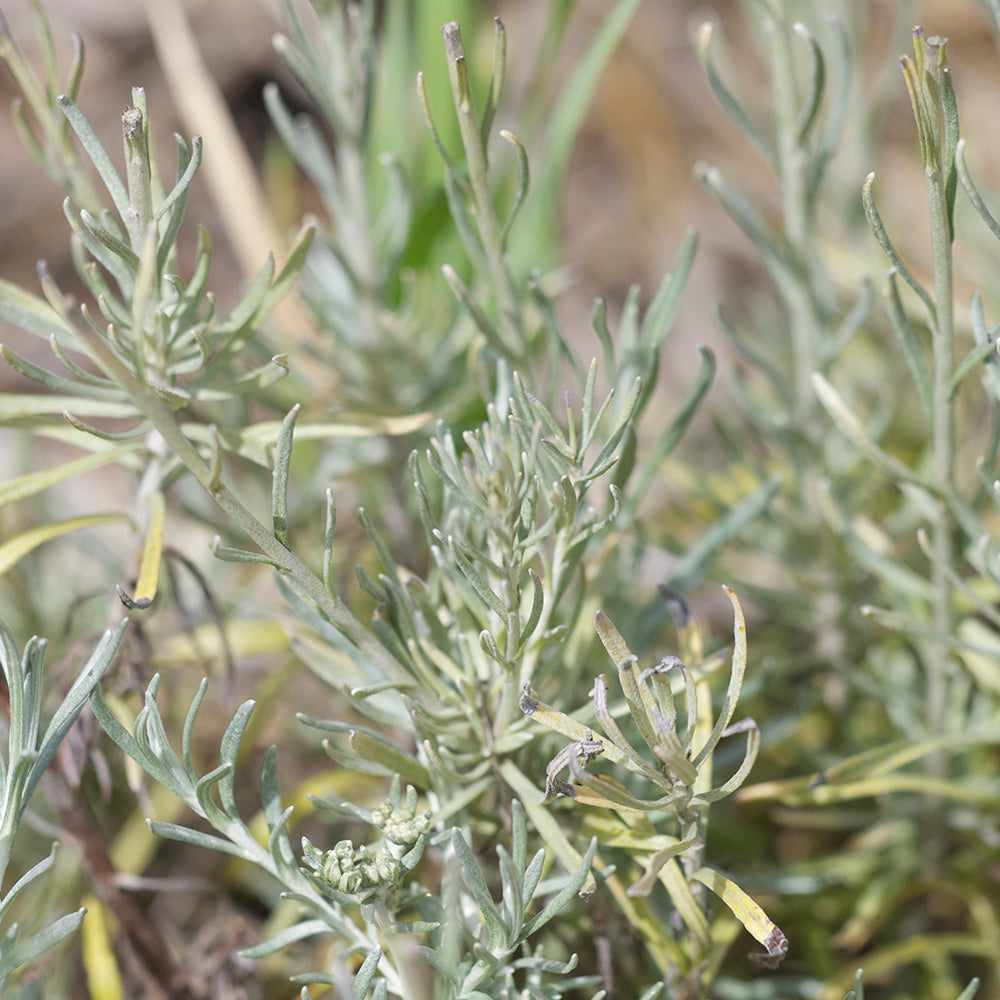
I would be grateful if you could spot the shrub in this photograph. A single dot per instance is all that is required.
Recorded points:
(468, 807)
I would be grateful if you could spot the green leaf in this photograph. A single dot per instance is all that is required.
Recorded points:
(301, 931)
(838, 102)
(739, 666)
(279, 478)
(228, 754)
(773, 252)
(475, 311)
(850, 426)
(179, 190)
(521, 194)
(561, 899)
(972, 191)
(728, 100)
(364, 976)
(14, 406)
(659, 317)
(188, 732)
(184, 835)
(878, 228)
(27, 878)
(543, 821)
(34, 482)
(288, 274)
(496, 80)
(278, 844)
(97, 153)
(568, 116)
(973, 360)
(475, 882)
(116, 732)
(57, 383)
(949, 108)
(31, 313)
(270, 793)
(25, 950)
(380, 751)
(71, 706)
(666, 441)
(817, 83)
(18, 547)
(110, 241)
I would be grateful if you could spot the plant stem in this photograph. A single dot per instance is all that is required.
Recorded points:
(486, 219)
(926, 80)
(792, 164)
(942, 445)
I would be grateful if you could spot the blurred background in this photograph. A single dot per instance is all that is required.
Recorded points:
(632, 190)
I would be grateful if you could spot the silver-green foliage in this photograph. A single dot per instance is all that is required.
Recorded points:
(30, 750)
(508, 509)
(528, 505)
(925, 647)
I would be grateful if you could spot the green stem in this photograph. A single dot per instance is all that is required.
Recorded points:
(942, 445)
(925, 78)
(398, 956)
(357, 241)
(490, 231)
(792, 167)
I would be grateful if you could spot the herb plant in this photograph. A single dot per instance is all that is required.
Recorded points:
(406, 775)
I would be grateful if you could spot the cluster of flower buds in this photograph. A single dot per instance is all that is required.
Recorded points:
(401, 824)
(350, 869)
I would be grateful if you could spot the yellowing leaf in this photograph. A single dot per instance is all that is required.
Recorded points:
(152, 550)
(17, 548)
(35, 482)
(104, 980)
(749, 913)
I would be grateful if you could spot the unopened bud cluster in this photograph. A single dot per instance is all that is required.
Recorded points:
(401, 824)
(349, 869)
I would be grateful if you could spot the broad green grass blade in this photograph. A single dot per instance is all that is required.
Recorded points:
(565, 124)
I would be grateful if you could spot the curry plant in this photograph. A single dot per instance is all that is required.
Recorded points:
(30, 750)
(509, 519)
(946, 713)
(492, 815)
(811, 321)
(514, 534)
(681, 776)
